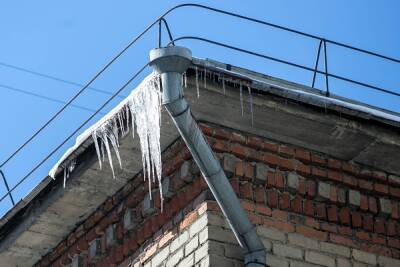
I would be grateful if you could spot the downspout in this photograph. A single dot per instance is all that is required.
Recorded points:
(170, 62)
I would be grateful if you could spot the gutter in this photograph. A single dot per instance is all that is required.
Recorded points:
(170, 62)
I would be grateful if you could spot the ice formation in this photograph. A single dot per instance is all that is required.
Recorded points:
(197, 82)
(142, 108)
(241, 98)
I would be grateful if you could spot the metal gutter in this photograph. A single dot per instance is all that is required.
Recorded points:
(170, 63)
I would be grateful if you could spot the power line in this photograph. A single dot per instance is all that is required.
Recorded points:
(80, 92)
(22, 91)
(50, 77)
(75, 131)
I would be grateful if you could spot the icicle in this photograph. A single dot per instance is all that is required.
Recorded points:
(205, 78)
(197, 82)
(251, 105)
(223, 84)
(241, 98)
(143, 105)
(184, 79)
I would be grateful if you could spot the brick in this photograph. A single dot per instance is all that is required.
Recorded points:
(279, 180)
(191, 245)
(270, 159)
(356, 220)
(287, 251)
(368, 222)
(198, 225)
(130, 219)
(393, 179)
(297, 204)
(388, 262)
(379, 175)
(332, 214)
(311, 188)
(335, 249)
(378, 239)
(345, 230)
(336, 176)
(185, 172)
(286, 164)
(338, 239)
(110, 235)
(329, 227)
(319, 173)
(354, 198)
(188, 220)
(261, 172)
(272, 198)
(160, 257)
(344, 215)
(309, 207)
(312, 233)
(239, 151)
(179, 241)
(366, 185)
(302, 241)
(364, 257)
(284, 201)
(270, 179)
(363, 202)
(372, 206)
(350, 167)
(318, 159)
(341, 196)
(350, 181)
(303, 155)
(324, 190)
(395, 210)
(394, 243)
(334, 164)
(379, 226)
(320, 211)
(264, 210)
(246, 190)
(321, 259)
(363, 235)
(333, 194)
(302, 187)
(292, 181)
(259, 194)
(238, 138)
(391, 228)
(381, 188)
(394, 191)
(271, 233)
(275, 261)
(286, 151)
(303, 169)
(343, 262)
(385, 206)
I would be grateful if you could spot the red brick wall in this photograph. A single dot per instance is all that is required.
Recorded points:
(281, 186)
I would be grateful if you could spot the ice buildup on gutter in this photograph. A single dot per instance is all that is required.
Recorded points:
(140, 110)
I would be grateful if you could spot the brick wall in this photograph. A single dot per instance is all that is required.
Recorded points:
(310, 209)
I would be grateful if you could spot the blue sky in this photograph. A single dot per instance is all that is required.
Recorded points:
(74, 39)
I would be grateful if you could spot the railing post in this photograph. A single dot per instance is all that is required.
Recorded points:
(159, 33)
(316, 63)
(326, 70)
(8, 188)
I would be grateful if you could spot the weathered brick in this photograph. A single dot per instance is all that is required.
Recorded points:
(356, 220)
(324, 190)
(192, 245)
(302, 241)
(321, 259)
(388, 262)
(385, 206)
(271, 233)
(372, 206)
(312, 233)
(335, 249)
(354, 198)
(393, 179)
(364, 257)
(287, 251)
(292, 181)
(161, 256)
(344, 215)
(275, 261)
(261, 172)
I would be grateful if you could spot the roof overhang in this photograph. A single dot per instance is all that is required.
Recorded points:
(282, 112)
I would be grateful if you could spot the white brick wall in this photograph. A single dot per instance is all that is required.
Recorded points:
(208, 241)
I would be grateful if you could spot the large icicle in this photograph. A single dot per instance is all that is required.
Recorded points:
(141, 109)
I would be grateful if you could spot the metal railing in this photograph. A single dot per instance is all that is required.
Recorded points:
(162, 19)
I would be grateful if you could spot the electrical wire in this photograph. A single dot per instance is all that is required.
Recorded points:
(75, 131)
(26, 92)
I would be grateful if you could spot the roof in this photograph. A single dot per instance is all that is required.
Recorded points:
(282, 111)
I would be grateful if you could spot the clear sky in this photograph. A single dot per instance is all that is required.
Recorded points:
(73, 39)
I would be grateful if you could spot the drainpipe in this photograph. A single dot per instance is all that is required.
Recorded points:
(170, 62)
